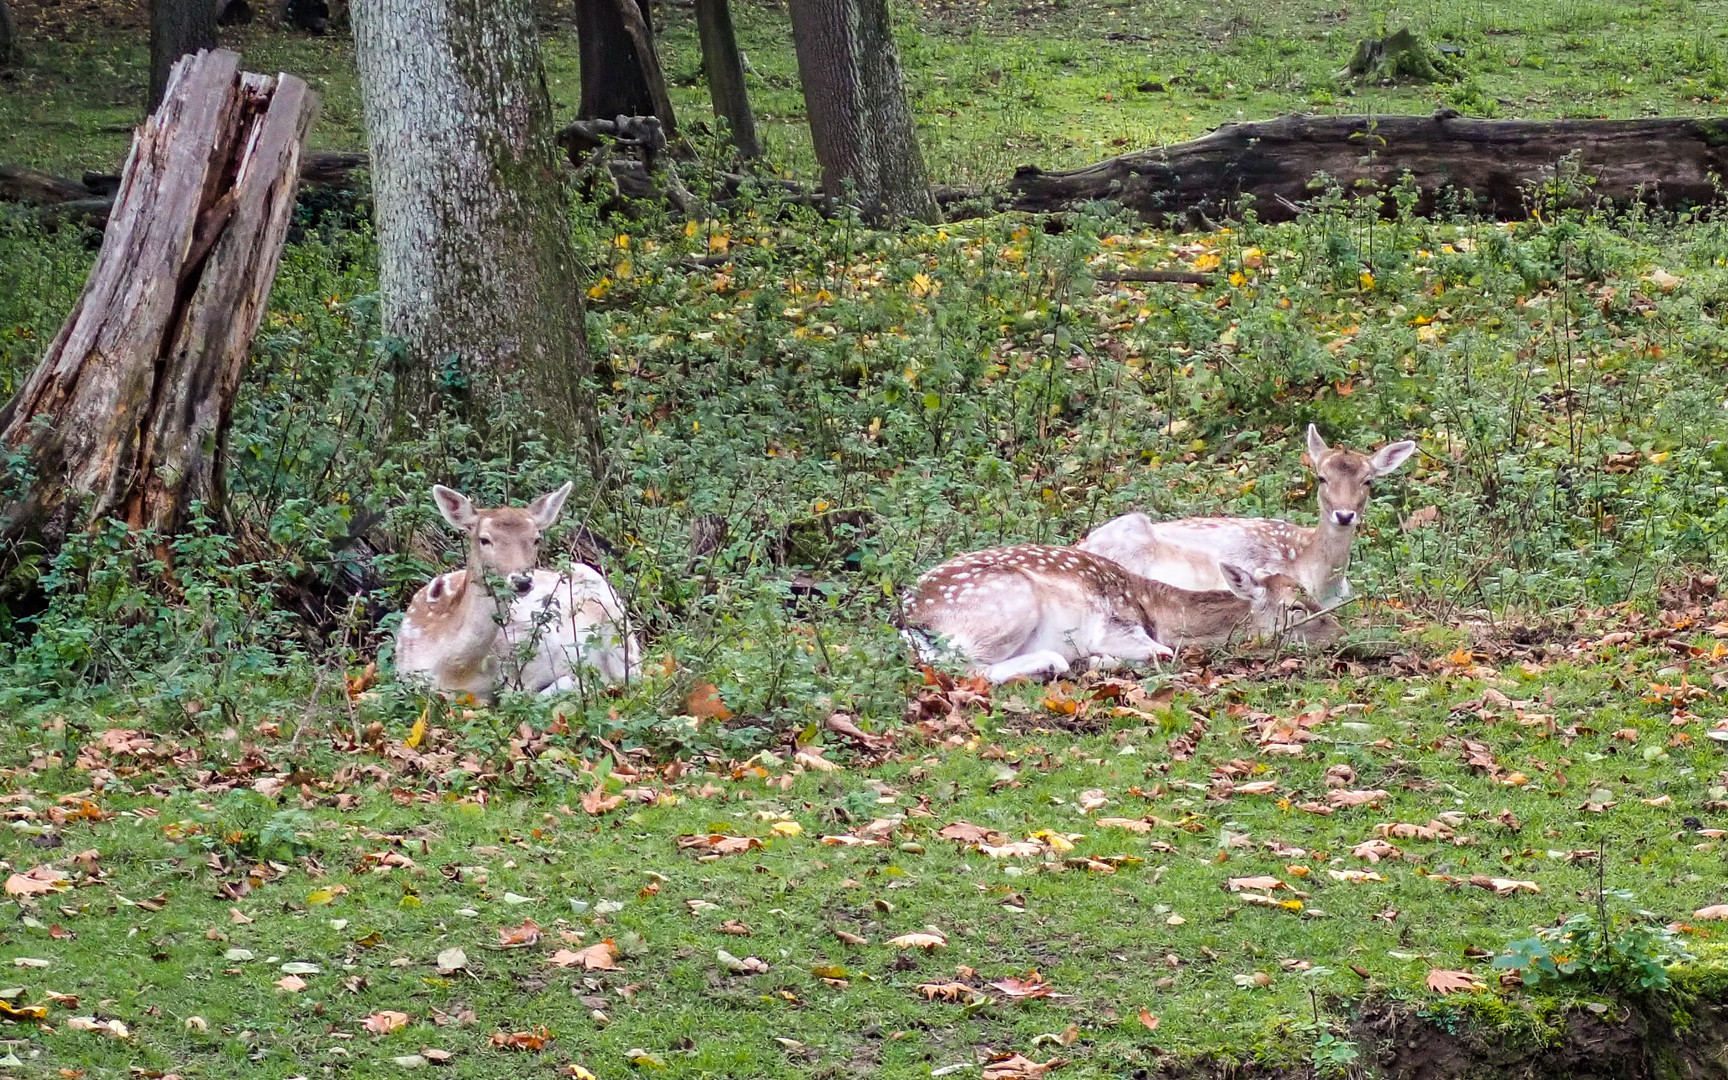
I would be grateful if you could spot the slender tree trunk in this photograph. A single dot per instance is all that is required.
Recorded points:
(724, 67)
(8, 36)
(177, 28)
(477, 265)
(126, 416)
(621, 73)
(856, 100)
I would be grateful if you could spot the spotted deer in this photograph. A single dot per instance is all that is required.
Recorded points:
(503, 622)
(1190, 552)
(1036, 610)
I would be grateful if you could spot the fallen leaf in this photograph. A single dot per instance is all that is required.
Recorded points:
(601, 956)
(1257, 884)
(1714, 911)
(35, 882)
(383, 1023)
(112, 1028)
(291, 983)
(522, 1040)
(720, 844)
(451, 960)
(1504, 886)
(514, 937)
(1017, 1067)
(1147, 1020)
(1442, 981)
(948, 991)
(597, 801)
(965, 832)
(919, 941)
(1033, 986)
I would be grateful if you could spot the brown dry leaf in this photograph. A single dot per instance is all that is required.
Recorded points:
(1418, 518)
(1342, 798)
(1714, 911)
(238, 917)
(601, 956)
(1134, 825)
(1263, 883)
(1256, 787)
(1375, 850)
(1504, 886)
(735, 928)
(965, 832)
(112, 1028)
(36, 881)
(848, 840)
(1356, 877)
(1019, 849)
(948, 991)
(1091, 799)
(851, 938)
(810, 757)
(598, 802)
(291, 983)
(522, 1040)
(383, 1023)
(705, 703)
(1018, 1067)
(1033, 986)
(1434, 830)
(515, 937)
(1442, 981)
(720, 844)
(919, 941)
(1148, 1021)
(359, 684)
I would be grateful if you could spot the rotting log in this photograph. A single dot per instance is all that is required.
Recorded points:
(1487, 166)
(127, 413)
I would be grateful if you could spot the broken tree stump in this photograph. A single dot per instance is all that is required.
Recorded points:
(127, 413)
(1488, 166)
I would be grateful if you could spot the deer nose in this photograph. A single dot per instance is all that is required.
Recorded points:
(1346, 518)
(522, 583)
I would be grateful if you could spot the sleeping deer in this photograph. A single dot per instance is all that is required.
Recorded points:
(537, 630)
(1036, 610)
(1190, 552)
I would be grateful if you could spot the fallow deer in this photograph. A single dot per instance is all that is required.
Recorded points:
(1190, 552)
(540, 630)
(1036, 610)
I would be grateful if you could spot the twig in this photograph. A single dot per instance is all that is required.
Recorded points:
(1165, 277)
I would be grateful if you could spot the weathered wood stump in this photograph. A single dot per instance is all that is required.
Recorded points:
(1488, 165)
(127, 413)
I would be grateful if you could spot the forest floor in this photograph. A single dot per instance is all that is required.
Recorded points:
(232, 854)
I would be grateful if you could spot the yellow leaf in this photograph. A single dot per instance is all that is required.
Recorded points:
(1365, 279)
(417, 734)
(1208, 261)
(599, 288)
(788, 828)
(1056, 840)
(326, 895)
(1238, 279)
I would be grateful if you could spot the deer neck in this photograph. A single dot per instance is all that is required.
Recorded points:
(479, 613)
(1190, 614)
(1326, 556)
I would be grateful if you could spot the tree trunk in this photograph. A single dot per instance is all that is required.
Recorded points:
(859, 121)
(621, 73)
(177, 28)
(724, 67)
(126, 416)
(8, 36)
(477, 265)
(1487, 166)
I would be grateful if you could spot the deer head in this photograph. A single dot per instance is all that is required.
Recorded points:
(1278, 605)
(1345, 475)
(504, 541)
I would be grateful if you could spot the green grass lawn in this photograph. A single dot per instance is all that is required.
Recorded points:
(1525, 706)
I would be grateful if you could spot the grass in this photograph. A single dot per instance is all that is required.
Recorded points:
(1050, 82)
(1539, 650)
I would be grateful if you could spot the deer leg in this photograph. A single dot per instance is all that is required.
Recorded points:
(1043, 663)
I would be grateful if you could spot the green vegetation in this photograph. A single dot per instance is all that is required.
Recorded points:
(1533, 676)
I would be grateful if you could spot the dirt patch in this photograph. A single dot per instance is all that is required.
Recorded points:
(1626, 1042)
(79, 20)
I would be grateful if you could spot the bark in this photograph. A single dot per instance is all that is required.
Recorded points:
(127, 414)
(477, 265)
(621, 73)
(1487, 166)
(177, 28)
(856, 100)
(8, 36)
(723, 64)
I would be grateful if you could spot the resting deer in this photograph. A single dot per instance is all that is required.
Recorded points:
(540, 632)
(1036, 610)
(1190, 552)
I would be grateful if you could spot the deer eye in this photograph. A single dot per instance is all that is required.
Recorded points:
(485, 541)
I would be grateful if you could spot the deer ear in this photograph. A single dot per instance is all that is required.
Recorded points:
(1392, 455)
(455, 507)
(1239, 581)
(1316, 446)
(544, 510)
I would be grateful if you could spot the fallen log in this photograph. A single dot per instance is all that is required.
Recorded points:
(126, 414)
(1488, 166)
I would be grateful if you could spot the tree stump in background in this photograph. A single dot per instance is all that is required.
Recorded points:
(127, 413)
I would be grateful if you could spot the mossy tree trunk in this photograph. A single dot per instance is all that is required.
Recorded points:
(724, 66)
(8, 36)
(477, 266)
(126, 415)
(177, 28)
(621, 73)
(856, 100)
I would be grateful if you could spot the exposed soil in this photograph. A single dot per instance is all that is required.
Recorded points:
(76, 20)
